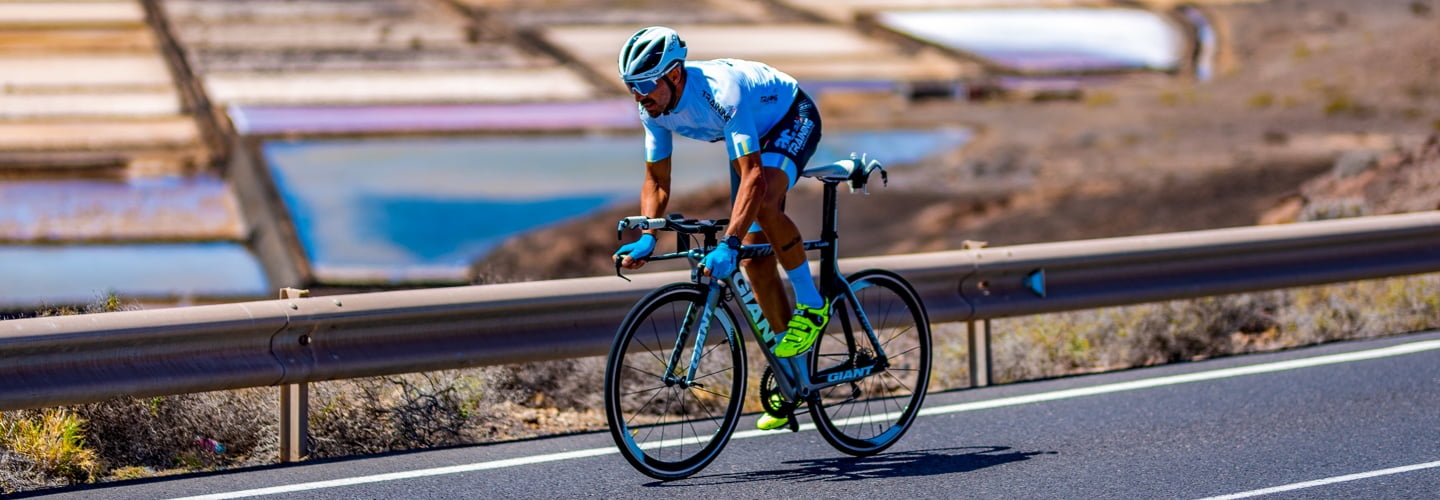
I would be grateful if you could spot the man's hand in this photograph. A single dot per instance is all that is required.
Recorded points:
(719, 263)
(632, 256)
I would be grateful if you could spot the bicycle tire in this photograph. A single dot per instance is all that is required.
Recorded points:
(667, 431)
(867, 416)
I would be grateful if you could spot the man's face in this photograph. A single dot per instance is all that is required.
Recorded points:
(658, 100)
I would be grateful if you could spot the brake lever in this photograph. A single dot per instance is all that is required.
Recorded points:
(618, 271)
(618, 260)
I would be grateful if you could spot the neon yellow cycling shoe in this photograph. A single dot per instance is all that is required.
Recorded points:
(768, 422)
(771, 422)
(805, 326)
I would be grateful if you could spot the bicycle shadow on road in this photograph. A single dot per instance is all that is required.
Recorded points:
(885, 465)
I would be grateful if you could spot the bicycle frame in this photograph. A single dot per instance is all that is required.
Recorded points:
(790, 372)
(861, 399)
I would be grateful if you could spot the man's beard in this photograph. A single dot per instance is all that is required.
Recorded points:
(652, 103)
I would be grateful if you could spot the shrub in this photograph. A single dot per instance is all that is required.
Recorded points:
(1276, 137)
(418, 410)
(171, 432)
(1301, 52)
(1169, 99)
(566, 384)
(1261, 100)
(50, 443)
(1339, 103)
(1332, 208)
(109, 302)
(1098, 99)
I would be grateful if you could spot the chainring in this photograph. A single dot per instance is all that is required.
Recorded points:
(775, 406)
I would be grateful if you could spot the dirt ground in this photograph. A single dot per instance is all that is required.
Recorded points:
(1306, 90)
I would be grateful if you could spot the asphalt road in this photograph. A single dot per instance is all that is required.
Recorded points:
(1347, 420)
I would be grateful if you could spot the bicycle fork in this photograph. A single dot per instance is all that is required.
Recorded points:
(692, 314)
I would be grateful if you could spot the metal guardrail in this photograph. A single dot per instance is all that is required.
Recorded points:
(77, 359)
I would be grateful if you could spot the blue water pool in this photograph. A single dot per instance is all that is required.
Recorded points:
(1051, 40)
(401, 209)
(36, 275)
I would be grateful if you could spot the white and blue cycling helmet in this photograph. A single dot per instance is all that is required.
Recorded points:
(648, 55)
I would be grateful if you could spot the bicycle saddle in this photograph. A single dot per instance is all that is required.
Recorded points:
(855, 171)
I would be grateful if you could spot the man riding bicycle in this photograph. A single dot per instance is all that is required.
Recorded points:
(770, 128)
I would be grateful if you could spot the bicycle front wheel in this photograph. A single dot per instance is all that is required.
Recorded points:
(666, 423)
(866, 416)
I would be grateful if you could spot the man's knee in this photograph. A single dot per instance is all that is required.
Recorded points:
(777, 184)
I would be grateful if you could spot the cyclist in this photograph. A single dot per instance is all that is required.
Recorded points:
(770, 128)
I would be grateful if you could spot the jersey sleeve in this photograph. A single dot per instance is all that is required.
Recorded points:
(741, 133)
(658, 141)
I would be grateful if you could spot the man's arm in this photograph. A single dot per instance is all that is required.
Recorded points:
(655, 193)
(654, 196)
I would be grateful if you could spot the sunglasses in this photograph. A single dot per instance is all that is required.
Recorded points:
(645, 87)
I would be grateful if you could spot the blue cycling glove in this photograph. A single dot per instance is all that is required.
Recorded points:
(638, 250)
(720, 262)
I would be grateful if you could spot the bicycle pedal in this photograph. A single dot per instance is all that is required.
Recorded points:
(793, 424)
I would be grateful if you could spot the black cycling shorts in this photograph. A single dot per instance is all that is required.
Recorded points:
(790, 143)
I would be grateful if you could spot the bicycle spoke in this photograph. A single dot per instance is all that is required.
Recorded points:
(655, 353)
(904, 352)
(710, 415)
(897, 335)
(638, 391)
(658, 391)
(897, 380)
(714, 373)
(707, 391)
(656, 375)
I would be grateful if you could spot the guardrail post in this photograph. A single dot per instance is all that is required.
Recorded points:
(980, 371)
(294, 414)
(294, 408)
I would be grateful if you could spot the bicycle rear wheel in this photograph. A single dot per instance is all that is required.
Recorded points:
(666, 428)
(865, 417)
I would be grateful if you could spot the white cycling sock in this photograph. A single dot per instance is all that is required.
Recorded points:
(804, 285)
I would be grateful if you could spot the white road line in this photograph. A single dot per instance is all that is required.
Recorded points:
(1078, 392)
(1323, 482)
(1148, 383)
(394, 476)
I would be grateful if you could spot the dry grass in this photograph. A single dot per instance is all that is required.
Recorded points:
(44, 447)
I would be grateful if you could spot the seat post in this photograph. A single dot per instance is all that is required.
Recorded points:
(829, 253)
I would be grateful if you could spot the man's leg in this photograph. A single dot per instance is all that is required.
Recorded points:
(789, 247)
(764, 276)
(769, 290)
(812, 311)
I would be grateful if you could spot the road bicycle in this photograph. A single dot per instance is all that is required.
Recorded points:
(676, 374)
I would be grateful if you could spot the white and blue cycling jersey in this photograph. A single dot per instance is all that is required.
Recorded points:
(732, 100)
